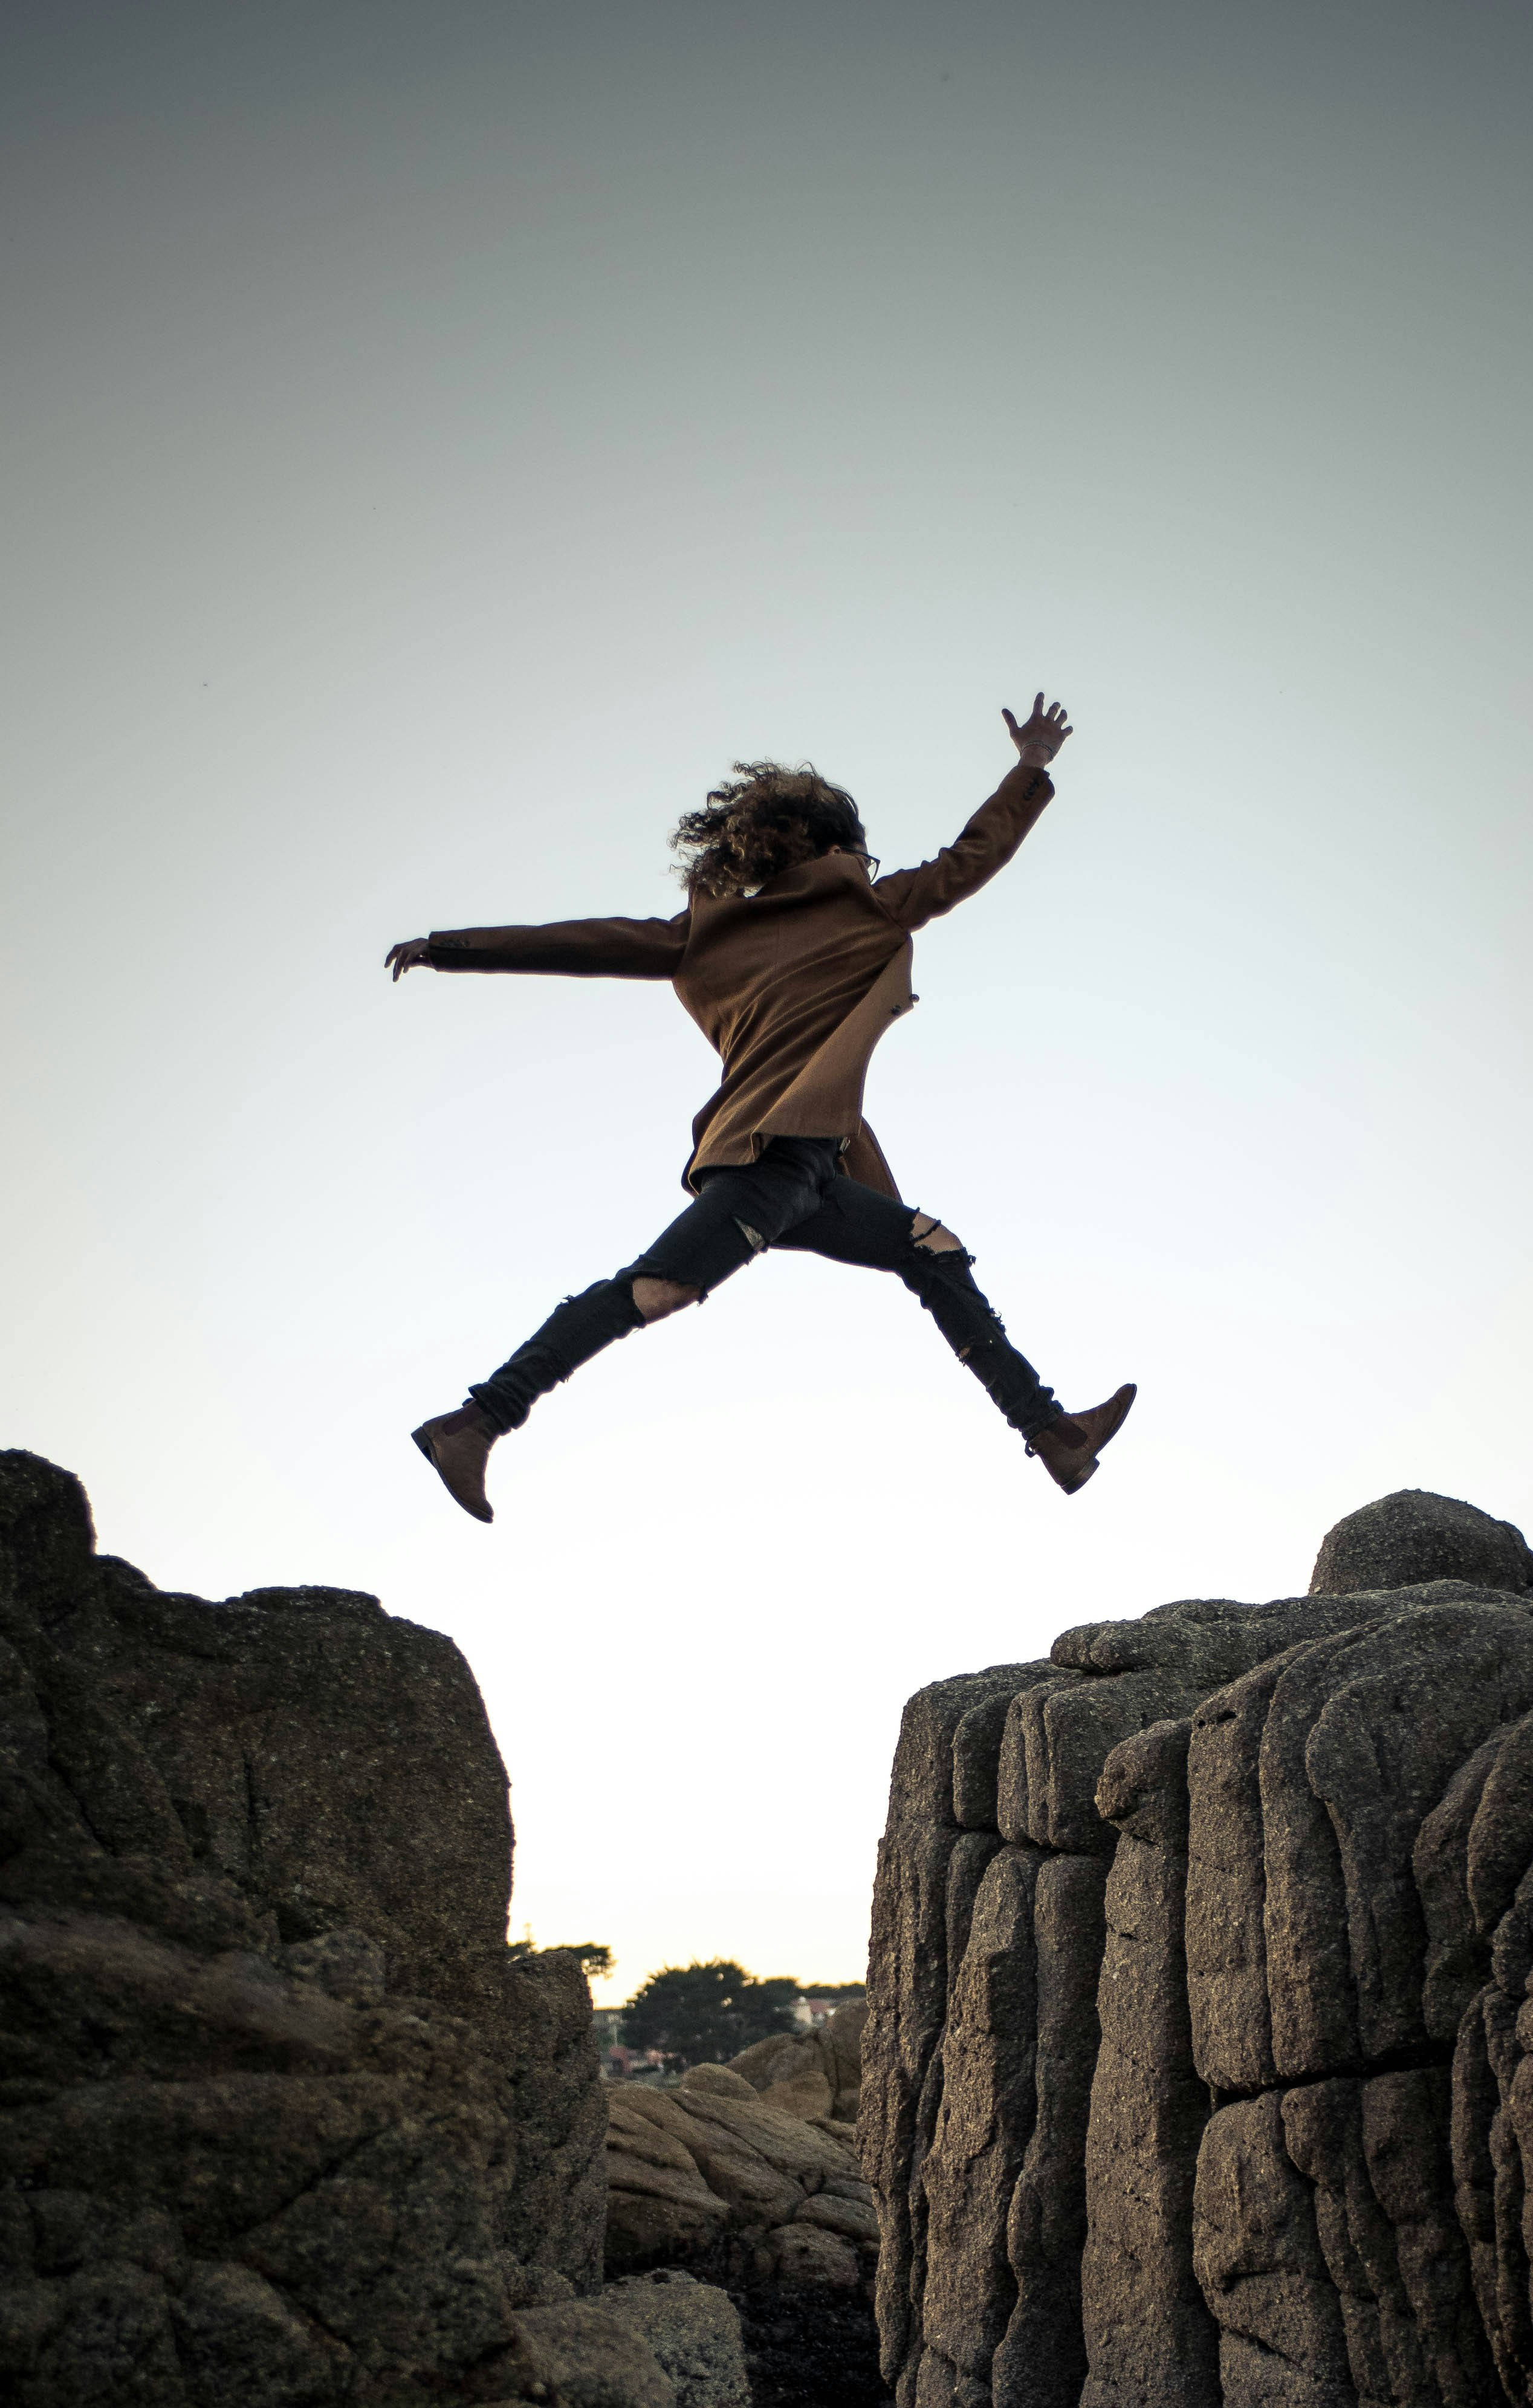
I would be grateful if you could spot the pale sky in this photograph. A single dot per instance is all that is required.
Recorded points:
(440, 438)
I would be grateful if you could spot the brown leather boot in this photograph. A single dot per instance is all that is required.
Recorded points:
(457, 1446)
(1069, 1449)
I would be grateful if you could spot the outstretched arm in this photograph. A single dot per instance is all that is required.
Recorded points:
(638, 949)
(992, 835)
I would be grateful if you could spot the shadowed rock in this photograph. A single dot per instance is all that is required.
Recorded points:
(985, 2119)
(908, 1985)
(280, 2120)
(1288, 2048)
(1257, 2255)
(1147, 2330)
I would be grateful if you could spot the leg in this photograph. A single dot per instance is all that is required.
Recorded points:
(857, 1225)
(736, 1214)
(1067, 1444)
(586, 1324)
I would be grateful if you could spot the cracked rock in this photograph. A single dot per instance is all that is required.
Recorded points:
(280, 2122)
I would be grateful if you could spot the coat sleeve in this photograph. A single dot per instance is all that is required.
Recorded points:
(987, 844)
(633, 949)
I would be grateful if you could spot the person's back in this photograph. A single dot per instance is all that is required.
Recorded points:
(794, 957)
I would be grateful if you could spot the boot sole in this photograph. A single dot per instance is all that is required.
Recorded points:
(474, 1511)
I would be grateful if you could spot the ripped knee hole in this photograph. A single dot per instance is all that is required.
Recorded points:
(929, 1234)
(654, 1298)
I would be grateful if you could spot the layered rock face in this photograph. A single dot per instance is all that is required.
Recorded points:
(716, 2160)
(816, 2074)
(1194, 2070)
(730, 2175)
(280, 2120)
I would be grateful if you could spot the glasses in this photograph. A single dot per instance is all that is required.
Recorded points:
(874, 862)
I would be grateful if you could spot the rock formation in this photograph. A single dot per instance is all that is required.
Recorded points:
(816, 2074)
(737, 2174)
(714, 2160)
(1195, 2064)
(281, 2122)
(662, 2339)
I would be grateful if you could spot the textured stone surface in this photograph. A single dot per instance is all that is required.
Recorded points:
(693, 2329)
(583, 2353)
(1043, 2355)
(908, 1984)
(1412, 1535)
(1257, 2255)
(1206, 2070)
(1147, 2330)
(714, 2162)
(278, 2118)
(815, 2074)
(985, 2117)
(1378, 2155)
(977, 1742)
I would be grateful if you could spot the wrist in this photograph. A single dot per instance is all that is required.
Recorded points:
(1034, 756)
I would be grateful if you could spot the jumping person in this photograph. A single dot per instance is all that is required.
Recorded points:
(793, 956)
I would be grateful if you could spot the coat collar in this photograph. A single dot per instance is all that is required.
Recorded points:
(826, 870)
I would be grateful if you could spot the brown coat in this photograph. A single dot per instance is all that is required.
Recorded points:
(793, 984)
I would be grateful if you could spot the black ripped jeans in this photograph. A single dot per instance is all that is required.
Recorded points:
(794, 1196)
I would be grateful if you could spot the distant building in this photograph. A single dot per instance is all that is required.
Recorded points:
(620, 2063)
(809, 2013)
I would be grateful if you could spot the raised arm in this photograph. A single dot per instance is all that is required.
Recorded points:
(634, 949)
(992, 835)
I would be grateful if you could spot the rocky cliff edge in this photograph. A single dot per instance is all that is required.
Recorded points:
(280, 2122)
(1197, 2068)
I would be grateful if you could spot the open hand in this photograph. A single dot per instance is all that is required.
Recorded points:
(414, 954)
(1044, 733)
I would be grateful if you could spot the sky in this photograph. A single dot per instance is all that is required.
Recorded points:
(439, 439)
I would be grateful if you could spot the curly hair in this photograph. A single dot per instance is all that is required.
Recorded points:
(763, 820)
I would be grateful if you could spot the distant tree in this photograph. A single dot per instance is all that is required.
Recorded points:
(595, 1955)
(700, 2014)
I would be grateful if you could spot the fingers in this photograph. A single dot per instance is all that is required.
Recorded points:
(1050, 725)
